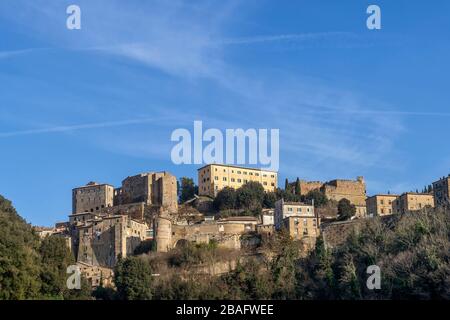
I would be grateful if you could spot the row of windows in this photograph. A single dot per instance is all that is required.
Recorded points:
(290, 209)
(249, 173)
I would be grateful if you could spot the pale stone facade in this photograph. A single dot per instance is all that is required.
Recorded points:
(214, 177)
(93, 197)
(441, 192)
(411, 201)
(302, 227)
(285, 209)
(227, 232)
(354, 191)
(152, 188)
(99, 241)
(380, 204)
(97, 276)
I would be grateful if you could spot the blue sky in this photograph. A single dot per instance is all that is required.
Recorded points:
(100, 103)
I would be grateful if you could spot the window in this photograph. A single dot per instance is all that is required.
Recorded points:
(299, 209)
(265, 183)
(224, 178)
(239, 180)
(232, 179)
(216, 178)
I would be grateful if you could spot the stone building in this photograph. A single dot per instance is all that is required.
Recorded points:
(93, 197)
(303, 227)
(285, 209)
(214, 177)
(441, 192)
(300, 221)
(226, 232)
(412, 201)
(97, 276)
(152, 188)
(354, 191)
(99, 241)
(380, 204)
(308, 186)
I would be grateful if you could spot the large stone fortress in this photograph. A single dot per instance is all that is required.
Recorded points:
(214, 177)
(93, 197)
(107, 223)
(353, 190)
(153, 189)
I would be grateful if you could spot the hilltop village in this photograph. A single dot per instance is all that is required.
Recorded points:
(108, 222)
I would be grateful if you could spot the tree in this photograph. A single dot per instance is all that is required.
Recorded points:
(319, 198)
(250, 196)
(346, 210)
(286, 185)
(133, 279)
(297, 186)
(19, 259)
(55, 258)
(269, 199)
(225, 199)
(187, 189)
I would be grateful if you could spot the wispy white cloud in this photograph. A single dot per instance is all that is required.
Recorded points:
(56, 129)
(187, 41)
(286, 37)
(13, 53)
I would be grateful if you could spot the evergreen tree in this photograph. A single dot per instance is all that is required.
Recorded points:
(297, 186)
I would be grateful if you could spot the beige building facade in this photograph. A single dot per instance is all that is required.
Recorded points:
(93, 197)
(302, 227)
(380, 204)
(412, 201)
(285, 209)
(441, 192)
(214, 177)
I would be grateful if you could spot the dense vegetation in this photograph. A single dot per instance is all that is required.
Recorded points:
(251, 198)
(31, 268)
(412, 251)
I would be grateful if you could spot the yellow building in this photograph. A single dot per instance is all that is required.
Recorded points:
(380, 204)
(412, 201)
(214, 177)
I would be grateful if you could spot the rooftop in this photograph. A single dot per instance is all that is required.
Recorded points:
(233, 166)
